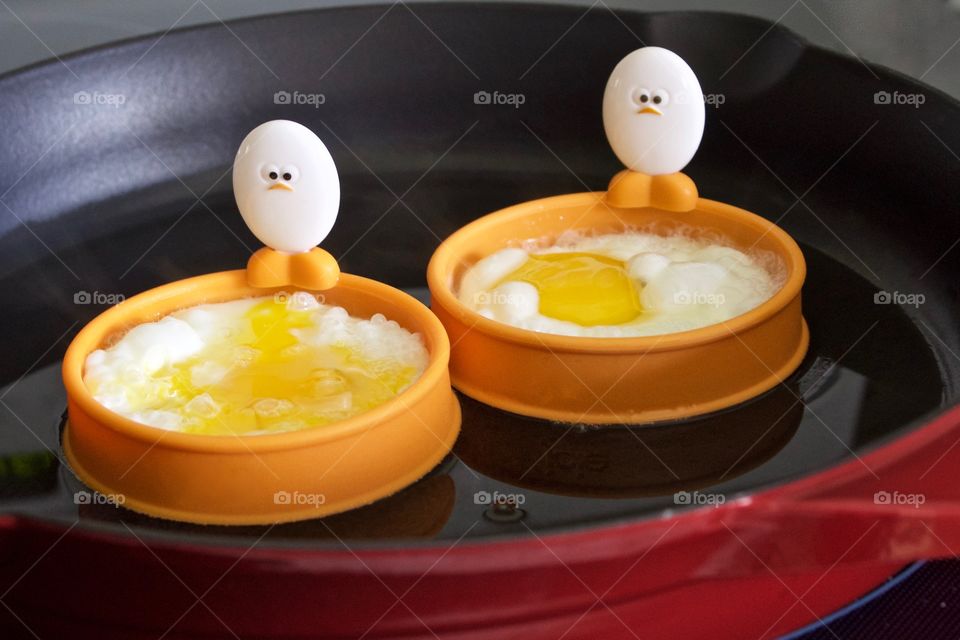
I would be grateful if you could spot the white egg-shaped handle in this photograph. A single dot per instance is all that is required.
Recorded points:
(288, 192)
(653, 111)
(286, 186)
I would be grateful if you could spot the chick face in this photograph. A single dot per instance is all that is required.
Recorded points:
(286, 186)
(653, 111)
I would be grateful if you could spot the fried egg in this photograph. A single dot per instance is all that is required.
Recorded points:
(255, 366)
(620, 285)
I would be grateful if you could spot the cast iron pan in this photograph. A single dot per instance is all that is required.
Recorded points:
(114, 174)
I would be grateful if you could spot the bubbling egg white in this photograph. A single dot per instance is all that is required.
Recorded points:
(620, 285)
(255, 366)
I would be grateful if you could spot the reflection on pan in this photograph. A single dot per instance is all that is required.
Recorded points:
(624, 461)
(419, 511)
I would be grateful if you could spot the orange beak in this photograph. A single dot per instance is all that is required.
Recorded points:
(655, 112)
(281, 185)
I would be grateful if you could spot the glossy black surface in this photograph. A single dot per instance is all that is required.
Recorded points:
(104, 199)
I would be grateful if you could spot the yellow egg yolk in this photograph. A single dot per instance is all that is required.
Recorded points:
(585, 288)
(272, 381)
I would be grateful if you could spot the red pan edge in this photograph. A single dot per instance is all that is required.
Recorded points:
(760, 565)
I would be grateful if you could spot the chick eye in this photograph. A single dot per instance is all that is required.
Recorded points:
(290, 173)
(641, 96)
(269, 172)
(661, 97)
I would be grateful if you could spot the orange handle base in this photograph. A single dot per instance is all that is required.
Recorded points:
(632, 190)
(314, 270)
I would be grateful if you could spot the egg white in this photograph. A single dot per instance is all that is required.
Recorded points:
(684, 283)
(121, 376)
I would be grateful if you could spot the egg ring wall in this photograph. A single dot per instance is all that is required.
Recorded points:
(618, 380)
(260, 479)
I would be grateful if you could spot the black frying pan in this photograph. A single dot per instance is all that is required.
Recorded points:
(114, 174)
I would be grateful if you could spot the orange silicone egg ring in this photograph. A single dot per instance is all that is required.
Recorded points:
(257, 479)
(618, 380)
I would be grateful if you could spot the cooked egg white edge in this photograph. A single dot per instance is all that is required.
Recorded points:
(685, 284)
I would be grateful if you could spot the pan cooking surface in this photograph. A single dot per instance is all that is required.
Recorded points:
(852, 390)
(116, 208)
